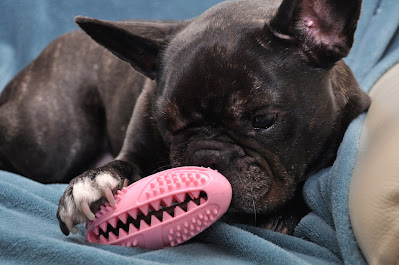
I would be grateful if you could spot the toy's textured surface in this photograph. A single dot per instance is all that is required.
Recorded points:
(162, 210)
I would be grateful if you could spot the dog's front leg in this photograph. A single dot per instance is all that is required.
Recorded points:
(140, 154)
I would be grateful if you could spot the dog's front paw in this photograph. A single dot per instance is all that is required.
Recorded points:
(85, 194)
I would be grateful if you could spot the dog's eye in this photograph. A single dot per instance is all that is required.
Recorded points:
(263, 121)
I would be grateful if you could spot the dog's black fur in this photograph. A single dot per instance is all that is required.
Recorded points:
(254, 89)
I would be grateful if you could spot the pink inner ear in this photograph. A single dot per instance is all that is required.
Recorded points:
(310, 23)
(314, 30)
(319, 25)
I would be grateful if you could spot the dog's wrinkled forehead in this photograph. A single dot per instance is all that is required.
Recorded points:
(212, 80)
(209, 85)
(211, 68)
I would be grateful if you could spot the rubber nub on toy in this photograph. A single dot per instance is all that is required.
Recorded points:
(162, 210)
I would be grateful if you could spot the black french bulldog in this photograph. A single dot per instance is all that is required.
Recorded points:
(254, 89)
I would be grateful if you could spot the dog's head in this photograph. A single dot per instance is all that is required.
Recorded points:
(256, 90)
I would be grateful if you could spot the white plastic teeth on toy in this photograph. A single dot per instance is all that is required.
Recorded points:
(162, 210)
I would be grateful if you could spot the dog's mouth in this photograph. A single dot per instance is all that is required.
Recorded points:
(257, 188)
(139, 220)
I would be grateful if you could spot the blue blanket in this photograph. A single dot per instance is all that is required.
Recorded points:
(29, 232)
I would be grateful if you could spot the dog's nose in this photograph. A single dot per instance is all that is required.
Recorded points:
(214, 159)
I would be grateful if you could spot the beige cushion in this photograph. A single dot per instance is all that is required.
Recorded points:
(374, 190)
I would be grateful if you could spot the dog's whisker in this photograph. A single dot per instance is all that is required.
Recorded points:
(160, 169)
(253, 202)
(163, 162)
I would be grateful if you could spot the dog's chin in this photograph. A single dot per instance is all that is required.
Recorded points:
(250, 184)
(255, 191)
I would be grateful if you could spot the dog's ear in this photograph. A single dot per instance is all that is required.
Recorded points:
(323, 28)
(136, 42)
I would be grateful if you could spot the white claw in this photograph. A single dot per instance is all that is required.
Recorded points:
(84, 206)
(110, 196)
(125, 183)
(71, 227)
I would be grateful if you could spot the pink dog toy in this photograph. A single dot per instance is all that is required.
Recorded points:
(162, 210)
